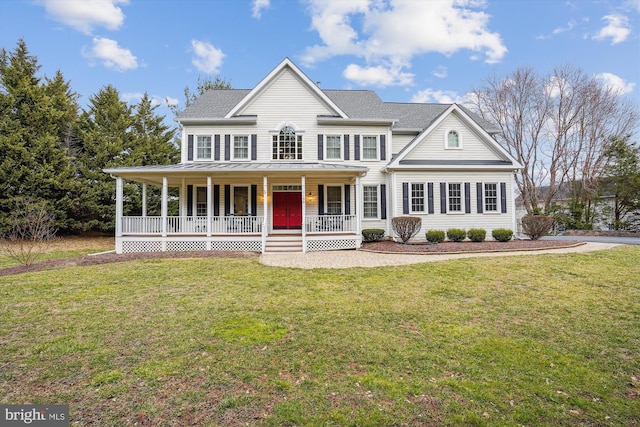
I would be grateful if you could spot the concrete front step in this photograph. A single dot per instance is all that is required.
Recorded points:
(283, 243)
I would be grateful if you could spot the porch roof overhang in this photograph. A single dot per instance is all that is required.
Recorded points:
(154, 174)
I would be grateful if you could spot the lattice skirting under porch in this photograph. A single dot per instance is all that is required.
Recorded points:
(331, 244)
(190, 246)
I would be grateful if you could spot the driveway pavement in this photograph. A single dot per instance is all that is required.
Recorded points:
(348, 259)
(599, 239)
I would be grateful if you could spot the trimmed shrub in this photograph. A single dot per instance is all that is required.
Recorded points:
(477, 234)
(435, 236)
(406, 227)
(372, 234)
(456, 234)
(502, 234)
(536, 226)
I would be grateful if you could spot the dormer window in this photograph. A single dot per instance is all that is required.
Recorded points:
(287, 145)
(453, 140)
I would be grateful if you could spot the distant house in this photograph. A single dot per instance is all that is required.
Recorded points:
(287, 166)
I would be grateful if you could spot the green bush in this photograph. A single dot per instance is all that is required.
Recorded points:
(435, 236)
(372, 234)
(502, 234)
(476, 234)
(456, 234)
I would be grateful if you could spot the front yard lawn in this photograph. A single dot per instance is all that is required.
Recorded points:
(530, 340)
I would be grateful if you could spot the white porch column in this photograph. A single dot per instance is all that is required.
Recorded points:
(391, 189)
(209, 205)
(265, 210)
(144, 199)
(304, 214)
(359, 211)
(165, 204)
(182, 198)
(119, 207)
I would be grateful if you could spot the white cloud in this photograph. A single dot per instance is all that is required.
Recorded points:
(135, 97)
(86, 14)
(437, 96)
(615, 83)
(389, 34)
(379, 76)
(207, 58)
(440, 72)
(617, 29)
(258, 6)
(111, 55)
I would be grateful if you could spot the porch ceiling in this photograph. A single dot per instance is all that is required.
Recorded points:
(154, 174)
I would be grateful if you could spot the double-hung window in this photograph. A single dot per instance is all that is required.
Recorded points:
(334, 200)
(241, 147)
(201, 201)
(491, 197)
(417, 197)
(334, 147)
(370, 201)
(370, 147)
(203, 147)
(241, 200)
(455, 198)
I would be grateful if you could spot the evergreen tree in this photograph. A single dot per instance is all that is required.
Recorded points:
(33, 163)
(105, 141)
(623, 181)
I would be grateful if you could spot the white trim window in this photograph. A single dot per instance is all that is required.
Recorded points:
(203, 147)
(370, 201)
(369, 147)
(201, 201)
(240, 200)
(417, 197)
(333, 200)
(333, 147)
(241, 147)
(287, 145)
(453, 140)
(491, 197)
(454, 197)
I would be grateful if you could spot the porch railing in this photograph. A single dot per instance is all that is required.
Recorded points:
(331, 223)
(191, 225)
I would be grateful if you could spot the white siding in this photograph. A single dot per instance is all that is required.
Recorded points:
(439, 221)
(432, 147)
(401, 141)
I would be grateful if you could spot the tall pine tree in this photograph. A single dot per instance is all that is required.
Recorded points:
(33, 115)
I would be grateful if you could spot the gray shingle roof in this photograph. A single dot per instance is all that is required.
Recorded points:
(357, 104)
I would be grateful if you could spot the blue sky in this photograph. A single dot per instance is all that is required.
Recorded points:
(405, 50)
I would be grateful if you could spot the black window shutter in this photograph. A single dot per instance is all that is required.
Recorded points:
(254, 199)
(479, 196)
(189, 200)
(383, 201)
(216, 200)
(443, 197)
(189, 147)
(347, 199)
(346, 147)
(320, 147)
(383, 147)
(216, 147)
(254, 147)
(405, 198)
(467, 197)
(356, 147)
(430, 197)
(320, 199)
(503, 196)
(227, 147)
(227, 199)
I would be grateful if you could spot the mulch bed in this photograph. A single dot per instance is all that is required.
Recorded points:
(386, 246)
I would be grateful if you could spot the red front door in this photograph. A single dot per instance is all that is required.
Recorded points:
(287, 210)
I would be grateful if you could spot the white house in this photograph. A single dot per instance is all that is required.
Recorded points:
(289, 166)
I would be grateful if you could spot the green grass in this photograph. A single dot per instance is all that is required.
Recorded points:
(543, 340)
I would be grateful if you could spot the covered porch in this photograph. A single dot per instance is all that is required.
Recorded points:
(270, 207)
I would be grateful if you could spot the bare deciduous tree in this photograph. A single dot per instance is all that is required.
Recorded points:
(30, 226)
(557, 126)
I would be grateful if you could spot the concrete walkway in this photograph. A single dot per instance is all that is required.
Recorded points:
(348, 259)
